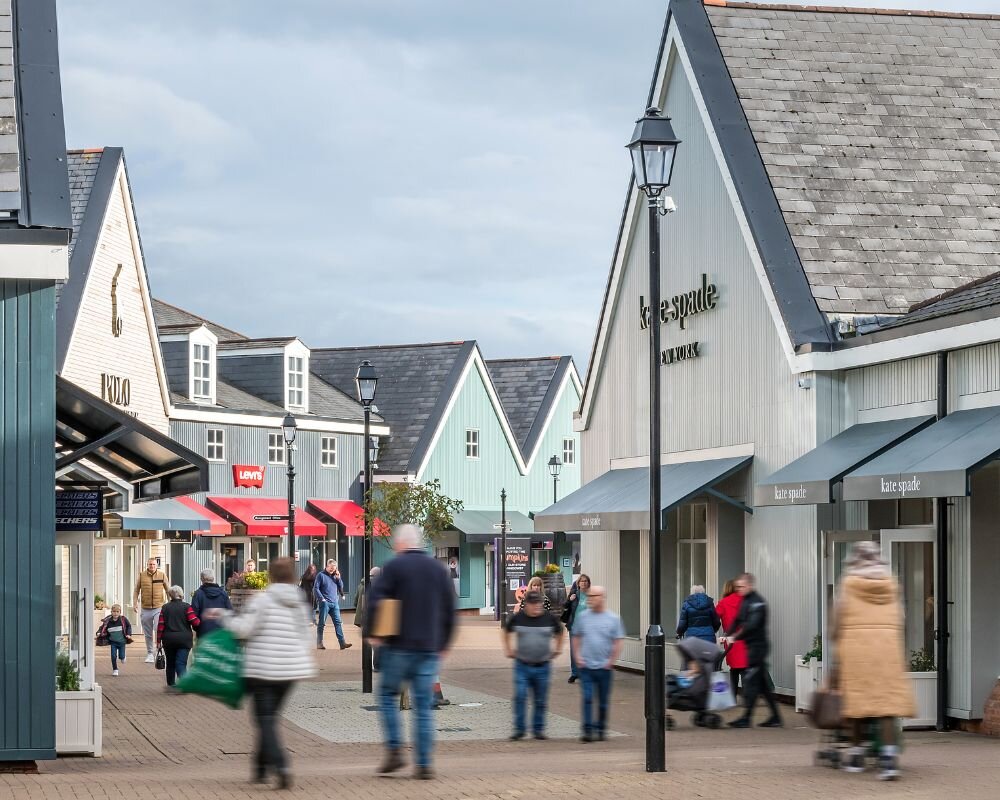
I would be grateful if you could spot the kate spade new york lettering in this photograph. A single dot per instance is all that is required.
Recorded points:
(680, 308)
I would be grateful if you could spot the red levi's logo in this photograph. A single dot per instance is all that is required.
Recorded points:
(248, 476)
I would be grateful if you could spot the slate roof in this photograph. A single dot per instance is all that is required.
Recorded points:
(880, 133)
(250, 344)
(167, 315)
(414, 384)
(82, 168)
(522, 385)
(979, 294)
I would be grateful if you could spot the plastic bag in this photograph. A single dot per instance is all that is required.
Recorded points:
(217, 670)
(720, 692)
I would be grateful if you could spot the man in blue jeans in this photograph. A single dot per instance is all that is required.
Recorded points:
(328, 589)
(597, 643)
(538, 641)
(419, 608)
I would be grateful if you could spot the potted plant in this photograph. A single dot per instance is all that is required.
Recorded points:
(98, 602)
(808, 674)
(555, 587)
(243, 585)
(923, 673)
(78, 711)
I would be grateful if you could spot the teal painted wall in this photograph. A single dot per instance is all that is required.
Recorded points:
(27, 521)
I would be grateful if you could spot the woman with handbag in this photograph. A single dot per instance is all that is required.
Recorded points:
(576, 606)
(174, 634)
(728, 609)
(867, 632)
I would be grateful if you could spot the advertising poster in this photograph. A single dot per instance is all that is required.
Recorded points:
(518, 557)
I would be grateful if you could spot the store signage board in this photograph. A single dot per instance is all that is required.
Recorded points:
(179, 537)
(78, 511)
(269, 517)
(248, 476)
(801, 493)
(950, 483)
(679, 309)
(518, 560)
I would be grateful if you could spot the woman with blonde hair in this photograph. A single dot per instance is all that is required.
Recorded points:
(869, 667)
(534, 585)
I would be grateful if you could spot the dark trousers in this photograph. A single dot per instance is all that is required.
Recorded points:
(177, 660)
(757, 682)
(596, 687)
(735, 673)
(533, 679)
(268, 697)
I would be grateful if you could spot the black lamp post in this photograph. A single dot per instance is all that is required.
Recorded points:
(366, 380)
(555, 467)
(288, 429)
(653, 148)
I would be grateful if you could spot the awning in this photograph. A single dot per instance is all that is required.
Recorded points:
(156, 465)
(619, 499)
(810, 479)
(160, 515)
(244, 510)
(217, 525)
(484, 526)
(936, 462)
(348, 514)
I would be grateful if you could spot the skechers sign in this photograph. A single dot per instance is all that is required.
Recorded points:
(248, 476)
(78, 511)
(679, 309)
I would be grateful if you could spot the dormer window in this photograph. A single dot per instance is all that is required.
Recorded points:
(201, 364)
(296, 382)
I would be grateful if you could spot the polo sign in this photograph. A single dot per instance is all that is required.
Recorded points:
(248, 476)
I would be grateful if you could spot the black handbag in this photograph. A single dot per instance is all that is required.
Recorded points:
(161, 659)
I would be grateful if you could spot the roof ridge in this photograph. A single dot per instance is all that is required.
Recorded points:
(204, 320)
(819, 9)
(457, 343)
(526, 358)
(952, 292)
(83, 150)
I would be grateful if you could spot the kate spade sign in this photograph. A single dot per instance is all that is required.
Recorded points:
(679, 309)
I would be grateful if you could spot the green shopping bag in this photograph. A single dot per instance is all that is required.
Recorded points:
(217, 671)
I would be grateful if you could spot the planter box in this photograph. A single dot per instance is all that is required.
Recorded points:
(79, 722)
(807, 680)
(240, 597)
(925, 689)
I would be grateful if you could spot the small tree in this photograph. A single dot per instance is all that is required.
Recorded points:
(421, 504)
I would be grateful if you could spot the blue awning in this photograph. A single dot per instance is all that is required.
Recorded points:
(484, 526)
(162, 515)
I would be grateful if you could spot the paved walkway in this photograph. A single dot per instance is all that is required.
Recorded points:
(186, 748)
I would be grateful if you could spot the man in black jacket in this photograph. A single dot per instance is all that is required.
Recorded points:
(422, 588)
(209, 595)
(751, 628)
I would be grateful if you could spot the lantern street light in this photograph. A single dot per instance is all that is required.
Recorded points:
(366, 380)
(653, 148)
(555, 467)
(288, 430)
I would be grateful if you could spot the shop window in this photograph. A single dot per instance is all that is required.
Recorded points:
(915, 511)
(328, 451)
(630, 597)
(296, 382)
(472, 443)
(275, 448)
(913, 564)
(215, 444)
(692, 548)
(569, 451)
(202, 365)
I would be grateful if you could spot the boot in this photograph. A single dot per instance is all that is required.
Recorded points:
(888, 763)
(393, 761)
(854, 760)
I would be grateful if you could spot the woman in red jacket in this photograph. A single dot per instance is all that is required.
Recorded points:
(728, 608)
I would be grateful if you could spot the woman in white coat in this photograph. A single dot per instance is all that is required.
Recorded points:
(274, 627)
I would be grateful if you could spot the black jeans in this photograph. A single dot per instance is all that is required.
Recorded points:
(735, 673)
(177, 658)
(268, 697)
(756, 682)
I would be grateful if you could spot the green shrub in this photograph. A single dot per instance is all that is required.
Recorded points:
(67, 674)
(816, 652)
(922, 660)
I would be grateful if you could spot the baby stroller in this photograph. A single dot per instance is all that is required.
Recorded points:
(704, 659)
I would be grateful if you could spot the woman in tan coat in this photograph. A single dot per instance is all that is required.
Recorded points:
(867, 633)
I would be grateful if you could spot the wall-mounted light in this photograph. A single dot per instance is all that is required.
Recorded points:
(805, 381)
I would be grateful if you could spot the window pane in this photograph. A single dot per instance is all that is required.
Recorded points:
(913, 564)
(631, 605)
(699, 521)
(916, 511)
(683, 570)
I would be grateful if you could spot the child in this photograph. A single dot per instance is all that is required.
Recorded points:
(116, 631)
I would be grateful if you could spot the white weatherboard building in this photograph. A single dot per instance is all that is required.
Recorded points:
(836, 185)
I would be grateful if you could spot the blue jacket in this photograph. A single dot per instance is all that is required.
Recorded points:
(328, 589)
(209, 595)
(699, 618)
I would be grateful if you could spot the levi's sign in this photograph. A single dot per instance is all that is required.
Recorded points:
(679, 309)
(247, 475)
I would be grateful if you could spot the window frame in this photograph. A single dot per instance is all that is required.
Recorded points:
(472, 452)
(210, 445)
(324, 450)
(295, 381)
(569, 453)
(196, 379)
(278, 437)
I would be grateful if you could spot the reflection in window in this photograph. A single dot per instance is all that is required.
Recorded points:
(913, 564)
(631, 603)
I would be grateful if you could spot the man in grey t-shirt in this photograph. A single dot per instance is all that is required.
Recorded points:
(538, 639)
(597, 643)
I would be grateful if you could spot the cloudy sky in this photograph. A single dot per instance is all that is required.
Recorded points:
(375, 171)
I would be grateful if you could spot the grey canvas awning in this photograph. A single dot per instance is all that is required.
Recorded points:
(162, 515)
(89, 428)
(484, 526)
(810, 479)
(619, 499)
(936, 462)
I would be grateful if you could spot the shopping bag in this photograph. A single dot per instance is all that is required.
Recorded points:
(826, 709)
(386, 622)
(217, 672)
(720, 692)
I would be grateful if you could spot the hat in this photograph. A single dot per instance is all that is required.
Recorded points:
(533, 597)
(865, 554)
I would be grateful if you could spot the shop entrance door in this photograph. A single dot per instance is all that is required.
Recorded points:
(836, 548)
(75, 601)
(132, 565)
(233, 558)
(264, 551)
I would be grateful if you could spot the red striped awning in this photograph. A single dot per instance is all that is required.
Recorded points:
(218, 526)
(348, 514)
(244, 509)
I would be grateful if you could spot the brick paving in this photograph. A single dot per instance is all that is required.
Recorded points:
(179, 748)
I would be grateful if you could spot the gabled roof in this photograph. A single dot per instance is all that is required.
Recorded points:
(878, 132)
(979, 295)
(169, 316)
(528, 389)
(250, 344)
(415, 384)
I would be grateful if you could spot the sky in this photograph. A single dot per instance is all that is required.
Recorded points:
(358, 172)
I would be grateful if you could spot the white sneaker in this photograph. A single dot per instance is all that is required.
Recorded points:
(854, 760)
(149, 658)
(114, 672)
(122, 660)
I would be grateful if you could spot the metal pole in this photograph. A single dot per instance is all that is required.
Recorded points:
(655, 663)
(555, 489)
(291, 501)
(503, 558)
(943, 632)
(366, 647)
